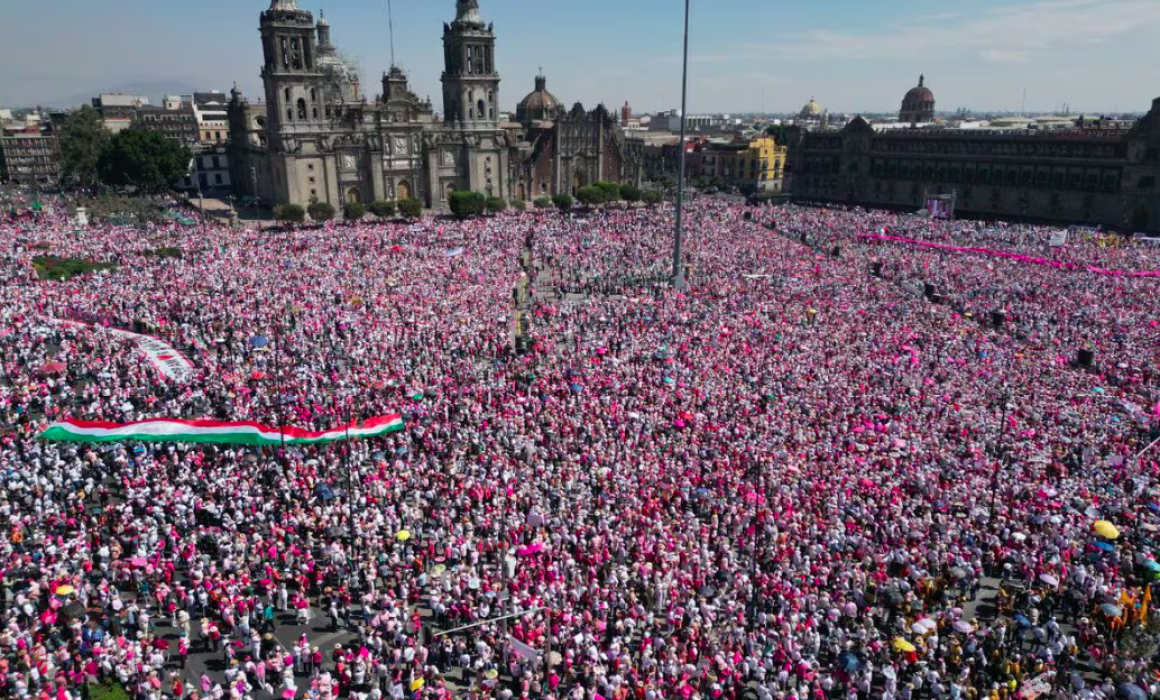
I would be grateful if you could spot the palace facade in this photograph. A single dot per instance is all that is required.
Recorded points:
(1089, 174)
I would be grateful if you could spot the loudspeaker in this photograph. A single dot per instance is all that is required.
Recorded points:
(998, 318)
(928, 290)
(1084, 357)
(876, 269)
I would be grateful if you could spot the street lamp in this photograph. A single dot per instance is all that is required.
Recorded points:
(341, 364)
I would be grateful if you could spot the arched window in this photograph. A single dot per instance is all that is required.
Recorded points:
(301, 109)
(448, 191)
(482, 109)
(403, 191)
(353, 196)
(313, 95)
(289, 114)
(314, 113)
(286, 94)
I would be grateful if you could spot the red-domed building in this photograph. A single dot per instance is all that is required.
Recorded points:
(918, 105)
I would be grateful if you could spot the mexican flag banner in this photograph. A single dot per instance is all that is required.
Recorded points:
(212, 431)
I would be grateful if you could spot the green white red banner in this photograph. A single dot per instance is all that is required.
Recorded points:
(215, 432)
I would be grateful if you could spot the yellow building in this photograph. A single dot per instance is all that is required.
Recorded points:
(757, 165)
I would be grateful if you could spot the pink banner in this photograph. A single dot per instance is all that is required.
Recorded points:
(1013, 256)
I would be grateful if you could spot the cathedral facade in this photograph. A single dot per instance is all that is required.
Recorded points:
(316, 138)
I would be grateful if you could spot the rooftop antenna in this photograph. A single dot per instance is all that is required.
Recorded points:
(391, 26)
(1023, 104)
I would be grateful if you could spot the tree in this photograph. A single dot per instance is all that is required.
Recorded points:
(145, 160)
(82, 139)
(589, 195)
(652, 197)
(411, 208)
(465, 204)
(542, 202)
(320, 211)
(562, 201)
(354, 211)
(609, 191)
(494, 205)
(290, 213)
(519, 205)
(383, 210)
(630, 193)
(780, 134)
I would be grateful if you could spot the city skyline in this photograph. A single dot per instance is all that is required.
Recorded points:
(851, 59)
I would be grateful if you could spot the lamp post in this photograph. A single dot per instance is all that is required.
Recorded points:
(678, 267)
(342, 363)
(1000, 453)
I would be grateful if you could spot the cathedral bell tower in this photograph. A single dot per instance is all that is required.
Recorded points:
(470, 81)
(290, 71)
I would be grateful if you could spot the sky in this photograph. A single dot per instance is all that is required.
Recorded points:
(745, 55)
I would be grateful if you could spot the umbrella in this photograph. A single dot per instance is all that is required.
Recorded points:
(890, 673)
(964, 627)
(65, 590)
(259, 341)
(53, 367)
(1105, 546)
(417, 683)
(1022, 620)
(74, 610)
(288, 694)
(901, 644)
(402, 535)
(1152, 565)
(1049, 579)
(850, 662)
(1104, 528)
(1111, 610)
(958, 573)
(1131, 691)
(138, 562)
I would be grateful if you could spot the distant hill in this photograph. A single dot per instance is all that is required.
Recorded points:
(153, 89)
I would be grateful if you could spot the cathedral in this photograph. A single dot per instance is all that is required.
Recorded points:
(317, 138)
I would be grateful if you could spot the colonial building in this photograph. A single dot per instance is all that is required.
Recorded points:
(29, 155)
(318, 138)
(1084, 175)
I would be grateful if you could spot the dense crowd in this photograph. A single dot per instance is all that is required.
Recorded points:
(799, 478)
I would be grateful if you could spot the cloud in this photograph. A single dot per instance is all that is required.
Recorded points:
(1012, 34)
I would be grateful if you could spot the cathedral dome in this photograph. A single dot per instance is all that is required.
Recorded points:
(812, 110)
(539, 105)
(918, 104)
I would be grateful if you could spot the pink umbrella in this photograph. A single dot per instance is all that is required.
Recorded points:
(288, 694)
(138, 562)
(530, 549)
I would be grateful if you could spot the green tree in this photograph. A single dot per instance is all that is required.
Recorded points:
(780, 134)
(609, 191)
(290, 213)
(82, 139)
(320, 211)
(145, 160)
(383, 210)
(630, 193)
(589, 195)
(411, 208)
(494, 205)
(542, 202)
(519, 205)
(652, 197)
(465, 204)
(353, 211)
(563, 201)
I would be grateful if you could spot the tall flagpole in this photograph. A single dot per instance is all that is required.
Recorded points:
(678, 266)
(391, 26)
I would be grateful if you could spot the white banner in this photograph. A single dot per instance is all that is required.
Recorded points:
(164, 357)
(1058, 238)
